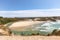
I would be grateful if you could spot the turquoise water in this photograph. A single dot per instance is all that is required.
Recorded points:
(29, 32)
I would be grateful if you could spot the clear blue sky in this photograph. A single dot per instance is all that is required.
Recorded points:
(28, 4)
(29, 8)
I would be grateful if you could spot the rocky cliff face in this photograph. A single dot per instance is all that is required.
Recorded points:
(4, 31)
(55, 33)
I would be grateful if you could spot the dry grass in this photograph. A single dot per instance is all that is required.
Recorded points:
(29, 37)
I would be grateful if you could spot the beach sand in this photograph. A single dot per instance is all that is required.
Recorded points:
(29, 37)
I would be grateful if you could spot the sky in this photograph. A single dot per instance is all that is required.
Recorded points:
(29, 8)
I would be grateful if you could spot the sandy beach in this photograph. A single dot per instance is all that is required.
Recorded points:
(29, 37)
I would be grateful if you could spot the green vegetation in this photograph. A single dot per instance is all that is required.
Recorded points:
(6, 20)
